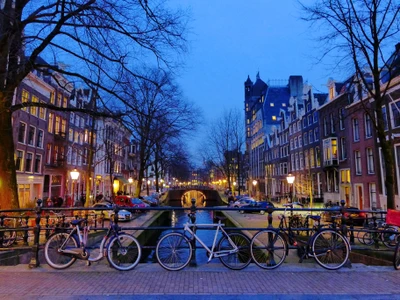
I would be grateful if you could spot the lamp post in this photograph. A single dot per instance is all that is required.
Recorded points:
(290, 180)
(234, 187)
(255, 184)
(130, 180)
(74, 176)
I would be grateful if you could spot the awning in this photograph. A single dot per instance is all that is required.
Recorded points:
(122, 179)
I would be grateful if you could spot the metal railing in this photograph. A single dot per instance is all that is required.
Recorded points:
(35, 225)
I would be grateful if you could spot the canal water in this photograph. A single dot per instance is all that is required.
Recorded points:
(178, 219)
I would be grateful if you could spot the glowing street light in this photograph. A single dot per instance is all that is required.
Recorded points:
(74, 176)
(290, 179)
(130, 180)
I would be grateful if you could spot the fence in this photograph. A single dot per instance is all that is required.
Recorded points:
(33, 226)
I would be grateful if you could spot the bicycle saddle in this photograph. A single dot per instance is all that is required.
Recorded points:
(315, 218)
(77, 221)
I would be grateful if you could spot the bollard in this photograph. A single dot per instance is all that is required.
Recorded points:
(34, 263)
(193, 262)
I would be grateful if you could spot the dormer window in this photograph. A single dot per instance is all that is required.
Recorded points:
(331, 92)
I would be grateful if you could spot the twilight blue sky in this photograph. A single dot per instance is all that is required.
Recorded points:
(231, 39)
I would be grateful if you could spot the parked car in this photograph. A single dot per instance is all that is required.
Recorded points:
(108, 212)
(257, 207)
(150, 201)
(358, 217)
(243, 201)
(127, 201)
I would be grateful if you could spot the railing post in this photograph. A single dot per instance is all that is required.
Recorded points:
(1, 232)
(26, 233)
(193, 262)
(270, 210)
(36, 230)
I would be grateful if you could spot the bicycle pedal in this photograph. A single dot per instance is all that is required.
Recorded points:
(88, 263)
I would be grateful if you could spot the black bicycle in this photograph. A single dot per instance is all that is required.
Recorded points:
(327, 246)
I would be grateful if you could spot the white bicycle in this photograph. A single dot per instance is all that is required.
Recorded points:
(174, 250)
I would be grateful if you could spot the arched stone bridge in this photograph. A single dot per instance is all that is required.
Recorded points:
(181, 197)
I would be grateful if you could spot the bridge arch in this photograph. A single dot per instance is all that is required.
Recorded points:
(199, 196)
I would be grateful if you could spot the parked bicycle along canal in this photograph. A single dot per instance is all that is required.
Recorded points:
(177, 220)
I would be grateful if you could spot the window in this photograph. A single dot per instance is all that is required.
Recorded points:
(48, 154)
(21, 132)
(306, 160)
(315, 114)
(71, 135)
(24, 98)
(38, 159)
(318, 156)
(316, 134)
(59, 100)
(31, 135)
(341, 118)
(343, 152)
(395, 108)
(301, 160)
(356, 130)
(332, 121)
(304, 122)
(42, 112)
(51, 123)
(305, 138)
(72, 118)
(310, 137)
(19, 160)
(312, 164)
(368, 126)
(28, 162)
(65, 102)
(357, 161)
(325, 127)
(300, 142)
(310, 120)
(295, 142)
(58, 125)
(64, 126)
(34, 109)
(345, 176)
(370, 161)
(330, 152)
(39, 139)
(372, 194)
(52, 98)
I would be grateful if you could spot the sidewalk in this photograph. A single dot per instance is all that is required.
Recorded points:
(210, 281)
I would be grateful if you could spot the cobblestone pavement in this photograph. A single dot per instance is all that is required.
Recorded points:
(211, 281)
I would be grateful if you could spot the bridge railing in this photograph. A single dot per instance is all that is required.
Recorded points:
(33, 226)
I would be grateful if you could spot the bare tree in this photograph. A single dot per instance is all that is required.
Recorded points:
(361, 34)
(226, 139)
(102, 37)
(162, 114)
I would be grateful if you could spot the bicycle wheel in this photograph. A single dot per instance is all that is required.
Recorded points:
(56, 259)
(396, 257)
(124, 252)
(268, 249)
(9, 238)
(330, 249)
(367, 238)
(390, 239)
(174, 251)
(240, 259)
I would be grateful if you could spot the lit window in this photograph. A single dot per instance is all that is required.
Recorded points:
(271, 104)
(273, 118)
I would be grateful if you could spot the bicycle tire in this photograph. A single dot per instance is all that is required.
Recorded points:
(174, 251)
(330, 249)
(53, 257)
(124, 252)
(396, 257)
(268, 249)
(9, 238)
(367, 238)
(240, 259)
(390, 239)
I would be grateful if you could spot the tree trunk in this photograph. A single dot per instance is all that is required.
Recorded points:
(8, 176)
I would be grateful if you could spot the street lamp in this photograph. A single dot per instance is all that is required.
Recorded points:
(290, 180)
(130, 180)
(234, 187)
(254, 184)
(74, 176)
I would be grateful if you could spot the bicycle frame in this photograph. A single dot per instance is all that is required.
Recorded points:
(219, 225)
